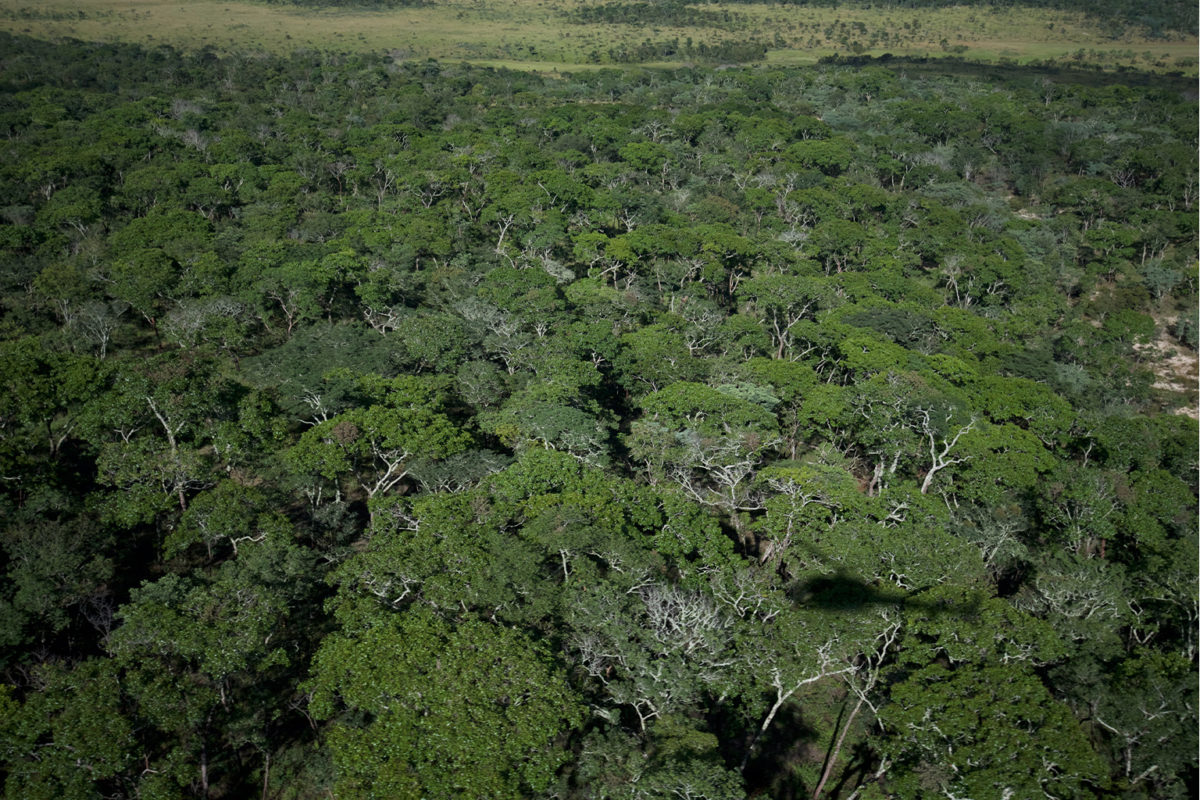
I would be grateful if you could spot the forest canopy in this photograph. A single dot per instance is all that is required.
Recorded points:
(377, 428)
(1158, 18)
(1169, 15)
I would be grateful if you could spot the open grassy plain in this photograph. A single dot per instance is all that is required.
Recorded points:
(545, 35)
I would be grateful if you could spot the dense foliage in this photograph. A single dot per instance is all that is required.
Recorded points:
(376, 429)
(355, 4)
(1158, 17)
(672, 12)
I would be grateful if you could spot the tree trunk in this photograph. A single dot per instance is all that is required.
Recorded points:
(780, 700)
(204, 771)
(837, 749)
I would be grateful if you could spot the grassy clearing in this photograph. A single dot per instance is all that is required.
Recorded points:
(536, 34)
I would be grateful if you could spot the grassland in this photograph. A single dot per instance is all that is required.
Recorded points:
(538, 34)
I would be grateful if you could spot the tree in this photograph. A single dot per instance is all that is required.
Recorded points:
(294, 373)
(191, 651)
(420, 708)
(43, 393)
(285, 288)
(653, 357)
(556, 426)
(797, 648)
(862, 684)
(781, 301)
(1000, 464)
(959, 624)
(1145, 715)
(96, 321)
(375, 446)
(677, 759)
(1029, 405)
(559, 409)
(801, 500)
(71, 738)
(902, 420)
(984, 730)
(150, 427)
(655, 649)
(58, 571)
(434, 552)
(1080, 504)
(837, 244)
(144, 280)
(707, 441)
(150, 252)
(227, 513)
(428, 342)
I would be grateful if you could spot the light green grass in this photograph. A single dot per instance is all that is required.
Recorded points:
(536, 34)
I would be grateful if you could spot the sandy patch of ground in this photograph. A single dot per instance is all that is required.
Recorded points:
(1177, 368)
